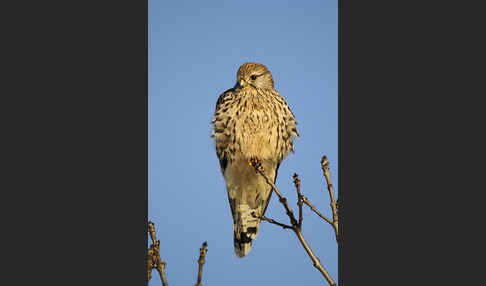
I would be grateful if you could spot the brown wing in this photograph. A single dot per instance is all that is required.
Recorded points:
(220, 122)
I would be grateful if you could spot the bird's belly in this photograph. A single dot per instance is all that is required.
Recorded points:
(257, 139)
(245, 185)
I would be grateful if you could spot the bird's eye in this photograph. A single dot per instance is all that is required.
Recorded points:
(253, 77)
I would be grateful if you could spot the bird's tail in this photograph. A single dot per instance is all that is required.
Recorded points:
(245, 229)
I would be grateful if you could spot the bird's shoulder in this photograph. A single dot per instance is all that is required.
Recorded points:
(225, 97)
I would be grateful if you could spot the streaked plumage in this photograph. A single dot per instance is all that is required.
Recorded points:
(251, 120)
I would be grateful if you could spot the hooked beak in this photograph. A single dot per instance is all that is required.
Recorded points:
(241, 84)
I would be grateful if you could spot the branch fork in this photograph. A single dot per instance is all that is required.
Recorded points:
(153, 258)
(296, 224)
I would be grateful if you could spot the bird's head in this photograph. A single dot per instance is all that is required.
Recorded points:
(253, 75)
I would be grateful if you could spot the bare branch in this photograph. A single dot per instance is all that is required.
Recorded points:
(152, 231)
(202, 255)
(257, 164)
(272, 221)
(161, 270)
(296, 227)
(153, 257)
(327, 175)
(307, 202)
(150, 262)
(315, 260)
(299, 197)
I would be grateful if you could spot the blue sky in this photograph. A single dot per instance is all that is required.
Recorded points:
(195, 49)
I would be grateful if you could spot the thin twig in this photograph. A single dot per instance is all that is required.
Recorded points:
(295, 225)
(161, 270)
(202, 255)
(272, 221)
(152, 231)
(153, 258)
(307, 202)
(299, 197)
(150, 262)
(327, 174)
(315, 260)
(257, 164)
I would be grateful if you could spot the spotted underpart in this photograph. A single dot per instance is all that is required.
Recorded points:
(251, 120)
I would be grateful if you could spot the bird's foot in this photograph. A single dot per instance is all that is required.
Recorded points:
(256, 163)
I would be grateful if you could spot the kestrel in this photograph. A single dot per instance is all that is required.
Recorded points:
(251, 120)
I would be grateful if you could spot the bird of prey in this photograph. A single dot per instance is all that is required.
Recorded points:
(251, 120)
